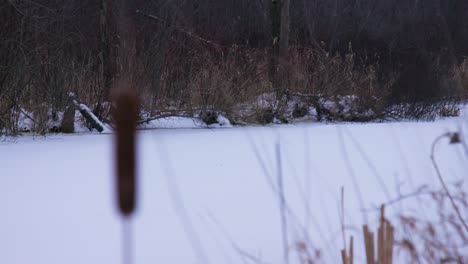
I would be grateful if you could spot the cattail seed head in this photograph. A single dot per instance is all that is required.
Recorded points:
(455, 138)
(125, 115)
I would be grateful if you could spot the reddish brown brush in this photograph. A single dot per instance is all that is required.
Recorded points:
(434, 234)
(126, 114)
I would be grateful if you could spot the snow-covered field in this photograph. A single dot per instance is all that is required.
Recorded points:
(210, 195)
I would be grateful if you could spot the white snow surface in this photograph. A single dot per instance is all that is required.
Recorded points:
(210, 196)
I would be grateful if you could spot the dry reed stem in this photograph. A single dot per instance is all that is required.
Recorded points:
(389, 243)
(381, 235)
(369, 244)
(385, 241)
(344, 258)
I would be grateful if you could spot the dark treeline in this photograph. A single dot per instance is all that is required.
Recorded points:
(191, 54)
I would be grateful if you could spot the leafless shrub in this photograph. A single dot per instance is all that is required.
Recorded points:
(439, 239)
(422, 110)
(224, 83)
(340, 87)
(458, 78)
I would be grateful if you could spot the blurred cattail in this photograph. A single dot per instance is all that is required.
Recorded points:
(126, 114)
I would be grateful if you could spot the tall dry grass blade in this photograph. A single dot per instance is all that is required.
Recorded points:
(342, 218)
(381, 236)
(389, 241)
(282, 200)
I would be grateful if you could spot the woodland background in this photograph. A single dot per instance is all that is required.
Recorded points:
(394, 58)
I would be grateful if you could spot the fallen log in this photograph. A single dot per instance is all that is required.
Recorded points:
(87, 114)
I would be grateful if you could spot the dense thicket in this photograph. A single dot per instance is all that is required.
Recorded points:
(192, 54)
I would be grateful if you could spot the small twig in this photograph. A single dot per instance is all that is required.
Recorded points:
(17, 9)
(27, 115)
(420, 191)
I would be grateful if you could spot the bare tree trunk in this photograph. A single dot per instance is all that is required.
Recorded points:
(105, 47)
(275, 18)
(104, 56)
(284, 46)
(279, 15)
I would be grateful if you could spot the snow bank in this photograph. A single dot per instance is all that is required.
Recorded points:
(173, 122)
(223, 121)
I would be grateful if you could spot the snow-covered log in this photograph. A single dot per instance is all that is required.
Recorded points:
(91, 118)
(88, 115)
